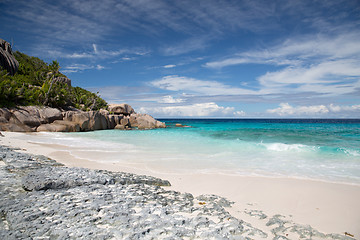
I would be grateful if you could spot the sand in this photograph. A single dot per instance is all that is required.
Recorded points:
(327, 207)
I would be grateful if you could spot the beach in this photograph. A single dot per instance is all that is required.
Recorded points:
(327, 207)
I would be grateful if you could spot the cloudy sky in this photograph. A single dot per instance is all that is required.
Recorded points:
(200, 58)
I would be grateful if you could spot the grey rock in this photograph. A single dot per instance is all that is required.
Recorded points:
(15, 127)
(5, 114)
(97, 121)
(124, 109)
(27, 115)
(59, 126)
(58, 178)
(145, 121)
(64, 80)
(7, 59)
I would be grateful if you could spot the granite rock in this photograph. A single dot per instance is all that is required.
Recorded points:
(124, 109)
(7, 59)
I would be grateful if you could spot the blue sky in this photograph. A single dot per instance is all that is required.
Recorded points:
(200, 58)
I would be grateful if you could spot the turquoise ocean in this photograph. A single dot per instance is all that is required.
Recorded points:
(318, 149)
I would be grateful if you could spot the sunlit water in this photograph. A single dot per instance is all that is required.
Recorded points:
(327, 150)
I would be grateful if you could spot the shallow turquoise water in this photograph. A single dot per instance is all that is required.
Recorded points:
(326, 150)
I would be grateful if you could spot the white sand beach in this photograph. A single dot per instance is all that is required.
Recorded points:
(327, 207)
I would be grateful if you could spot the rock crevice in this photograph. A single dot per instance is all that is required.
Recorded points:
(7, 59)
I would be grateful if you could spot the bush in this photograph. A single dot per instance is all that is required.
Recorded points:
(34, 84)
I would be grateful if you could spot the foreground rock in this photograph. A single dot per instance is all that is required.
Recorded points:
(42, 199)
(39, 198)
(35, 118)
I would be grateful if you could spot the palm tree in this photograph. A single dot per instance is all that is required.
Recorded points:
(54, 70)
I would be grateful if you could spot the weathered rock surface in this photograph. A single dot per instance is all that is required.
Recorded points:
(42, 199)
(65, 80)
(34, 118)
(7, 59)
(59, 126)
(145, 121)
(124, 109)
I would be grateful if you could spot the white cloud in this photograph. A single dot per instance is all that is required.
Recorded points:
(99, 67)
(95, 52)
(80, 67)
(170, 99)
(297, 51)
(285, 109)
(186, 46)
(326, 65)
(178, 83)
(332, 77)
(337, 108)
(194, 110)
(239, 114)
(169, 66)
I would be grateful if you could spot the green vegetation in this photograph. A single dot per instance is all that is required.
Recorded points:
(39, 83)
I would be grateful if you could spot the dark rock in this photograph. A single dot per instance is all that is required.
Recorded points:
(7, 59)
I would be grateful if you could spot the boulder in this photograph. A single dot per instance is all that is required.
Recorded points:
(7, 59)
(114, 120)
(65, 80)
(83, 119)
(15, 127)
(49, 115)
(51, 127)
(97, 121)
(33, 116)
(125, 122)
(145, 121)
(159, 124)
(59, 126)
(5, 113)
(67, 115)
(133, 121)
(119, 127)
(118, 109)
(27, 115)
(180, 125)
(30, 118)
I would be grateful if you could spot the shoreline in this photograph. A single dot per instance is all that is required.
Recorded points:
(327, 207)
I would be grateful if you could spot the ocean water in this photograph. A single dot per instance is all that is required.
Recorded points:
(326, 150)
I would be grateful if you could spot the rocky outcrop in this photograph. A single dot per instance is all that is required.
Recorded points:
(123, 109)
(7, 59)
(34, 118)
(145, 121)
(59, 126)
(65, 80)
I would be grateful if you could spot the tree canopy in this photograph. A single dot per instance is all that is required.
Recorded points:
(37, 83)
